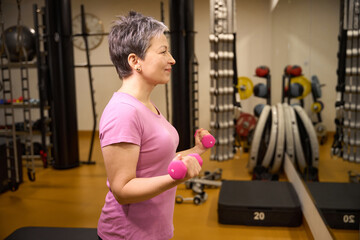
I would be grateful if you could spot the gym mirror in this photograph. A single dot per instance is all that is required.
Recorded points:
(308, 34)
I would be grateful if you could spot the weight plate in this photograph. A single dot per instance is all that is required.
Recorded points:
(272, 141)
(245, 87)
(299, 152)
(317, 107)
(315, 86)
(245, 123)
(280, 141)
(303, 81)
(289, 137)
(314, 144)
(320, 129)
(257, 138)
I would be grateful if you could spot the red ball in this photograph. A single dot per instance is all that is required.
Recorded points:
(262, 71)
(295, 71)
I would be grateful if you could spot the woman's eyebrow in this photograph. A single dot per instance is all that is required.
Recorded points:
(163, 46)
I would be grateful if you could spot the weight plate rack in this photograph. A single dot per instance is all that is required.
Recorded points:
(222, 27)
(283, 128)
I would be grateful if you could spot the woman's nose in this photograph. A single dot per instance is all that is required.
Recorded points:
(172, 60)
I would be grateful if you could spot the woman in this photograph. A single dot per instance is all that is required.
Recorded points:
(137, 141)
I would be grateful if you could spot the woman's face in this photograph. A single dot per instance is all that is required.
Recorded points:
(156, 67)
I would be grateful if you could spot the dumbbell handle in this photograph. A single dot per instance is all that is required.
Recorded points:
(177, 169)
(208, 140)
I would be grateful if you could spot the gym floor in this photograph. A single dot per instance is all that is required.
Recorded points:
(74, 198)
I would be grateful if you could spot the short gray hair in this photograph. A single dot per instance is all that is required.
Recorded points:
(132, 34)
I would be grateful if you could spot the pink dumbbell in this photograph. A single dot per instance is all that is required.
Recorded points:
(208, 141)
(177, 169)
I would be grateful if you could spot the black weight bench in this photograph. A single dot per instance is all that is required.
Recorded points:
(53, 233)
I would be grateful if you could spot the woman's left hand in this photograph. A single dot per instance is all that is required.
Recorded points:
(199, 134)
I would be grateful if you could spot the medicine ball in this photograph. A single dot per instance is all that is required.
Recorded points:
(262, 71)
(258, 109)
(293, 71)
(287, 70)
(261, 90)
(26, 40)
(296, 71)
(296, 90)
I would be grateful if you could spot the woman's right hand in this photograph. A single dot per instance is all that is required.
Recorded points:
(192, 165)
(184, 167)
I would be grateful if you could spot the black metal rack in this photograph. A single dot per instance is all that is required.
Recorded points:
(27, 105)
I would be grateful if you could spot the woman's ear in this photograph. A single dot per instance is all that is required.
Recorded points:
(133, 61)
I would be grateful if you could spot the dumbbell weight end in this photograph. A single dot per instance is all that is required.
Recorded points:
(177, 169)
(208, 141)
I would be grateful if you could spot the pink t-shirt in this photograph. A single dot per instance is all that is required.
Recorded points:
(125, 119)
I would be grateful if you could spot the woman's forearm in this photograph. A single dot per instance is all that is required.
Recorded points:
(194, 149)
(142, 189)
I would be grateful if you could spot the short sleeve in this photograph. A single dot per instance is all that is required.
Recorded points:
(119, 123)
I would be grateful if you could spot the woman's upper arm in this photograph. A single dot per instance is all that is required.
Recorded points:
(120, 162)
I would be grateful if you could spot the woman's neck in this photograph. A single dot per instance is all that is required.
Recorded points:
(140, 91)
(136, 88)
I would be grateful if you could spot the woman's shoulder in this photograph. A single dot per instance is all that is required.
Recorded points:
(119, 111)
(119, 104)
(121, 100)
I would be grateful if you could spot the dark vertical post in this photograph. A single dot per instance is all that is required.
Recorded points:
(85, 38)
(182, 49)
(62, 78)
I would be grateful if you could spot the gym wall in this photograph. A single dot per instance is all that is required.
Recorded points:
(297, 32)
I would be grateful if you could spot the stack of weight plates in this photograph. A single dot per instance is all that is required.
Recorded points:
(281, 129)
